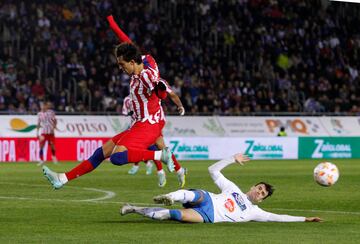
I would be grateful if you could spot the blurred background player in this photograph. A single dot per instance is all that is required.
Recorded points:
(282, 131)
(129, 146)
(231, 205)
(162, 85)
(47, 125)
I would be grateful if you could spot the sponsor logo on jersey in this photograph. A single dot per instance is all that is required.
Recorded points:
(239, 200)
(230, 205)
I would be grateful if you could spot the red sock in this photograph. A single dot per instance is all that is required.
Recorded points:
(136, 155)
(158, 165)
(176, 163)
(83, 168)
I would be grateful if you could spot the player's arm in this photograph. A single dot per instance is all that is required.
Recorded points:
(175, 98)
(113, 25)
(116, 29)
(215, 170)
(263, 216)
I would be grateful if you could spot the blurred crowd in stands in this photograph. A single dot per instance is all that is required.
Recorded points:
(231, 57)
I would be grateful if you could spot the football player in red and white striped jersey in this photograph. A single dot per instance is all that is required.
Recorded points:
(132, 145)
(47, 125)
(150, 63)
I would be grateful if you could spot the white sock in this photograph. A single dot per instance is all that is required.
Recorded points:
(149, 163)
(161, 172)
(154, 213)
(136, 166)
(62, 177)
(180, 171)
(182, 196)
(157, 155)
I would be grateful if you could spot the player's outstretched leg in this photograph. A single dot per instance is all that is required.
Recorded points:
(153, 213)
(57, 180)
(182, 196)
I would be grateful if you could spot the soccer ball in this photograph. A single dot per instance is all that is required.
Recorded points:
(326, 174)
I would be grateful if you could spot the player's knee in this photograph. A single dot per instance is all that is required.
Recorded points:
(199, 197)
(175, 214)
(153, 148)
(119, 158)
(97, 157)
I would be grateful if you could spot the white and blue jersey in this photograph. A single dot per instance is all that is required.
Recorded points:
(232, 205)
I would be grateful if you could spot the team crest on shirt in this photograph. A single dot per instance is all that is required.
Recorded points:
(230, 205)
(239, 200)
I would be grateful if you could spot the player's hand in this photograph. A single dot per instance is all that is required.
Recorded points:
(241, 158)
(181, 110)
(313, 219)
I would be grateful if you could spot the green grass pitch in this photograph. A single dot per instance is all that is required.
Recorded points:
(82, 212)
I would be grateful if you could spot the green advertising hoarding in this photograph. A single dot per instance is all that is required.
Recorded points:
(329, 147)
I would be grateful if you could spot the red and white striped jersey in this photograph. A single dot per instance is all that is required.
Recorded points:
(47, 121)
(145, 102)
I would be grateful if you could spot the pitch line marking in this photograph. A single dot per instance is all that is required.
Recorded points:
(108, 194)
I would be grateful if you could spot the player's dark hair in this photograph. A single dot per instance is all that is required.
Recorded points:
(269, 188)
(128, 52)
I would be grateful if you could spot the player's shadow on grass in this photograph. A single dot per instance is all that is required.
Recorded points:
(140, 221)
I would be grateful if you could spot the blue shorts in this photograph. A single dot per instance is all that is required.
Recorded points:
(205, 208)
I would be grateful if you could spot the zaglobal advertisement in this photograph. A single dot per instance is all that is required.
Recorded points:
(325, 147)
(192, 148)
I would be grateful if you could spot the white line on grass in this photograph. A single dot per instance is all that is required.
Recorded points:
(108, 194)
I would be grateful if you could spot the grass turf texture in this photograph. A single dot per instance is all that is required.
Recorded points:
(31, 212)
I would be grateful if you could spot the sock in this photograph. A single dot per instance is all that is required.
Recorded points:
(63, 179)
(161, 172)
(176, 163)
(136, 155)
(154, 213)
(53, 151)
(157, 162)
(149, 163)
(175, 214)
(132, 156)
(184, 196)
(83, 168)
(158, 165)
(86, 166)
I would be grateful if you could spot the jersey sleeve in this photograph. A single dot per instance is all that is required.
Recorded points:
(168, 87)
(263, 216)
(220, 180)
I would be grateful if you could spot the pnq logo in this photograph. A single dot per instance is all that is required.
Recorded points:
(20, 125)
